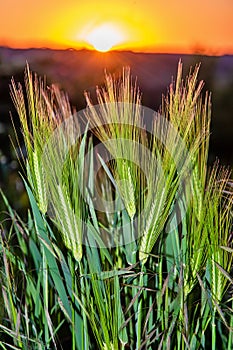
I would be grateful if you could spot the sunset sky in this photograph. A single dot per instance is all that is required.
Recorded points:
(143, 25)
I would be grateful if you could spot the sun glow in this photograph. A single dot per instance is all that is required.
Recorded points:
(104, 37)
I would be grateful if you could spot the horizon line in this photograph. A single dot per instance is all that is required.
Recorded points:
(193, 52)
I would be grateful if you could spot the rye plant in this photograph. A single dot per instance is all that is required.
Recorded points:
(128, 241)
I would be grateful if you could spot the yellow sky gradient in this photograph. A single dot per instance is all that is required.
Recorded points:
(147, 25)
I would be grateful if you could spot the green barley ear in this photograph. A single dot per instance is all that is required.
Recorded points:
(118, 124)
(219, 225)
(126, 188)
(32, 112)
(65, 168)
(42, 114)
(68, 223)
(187, 132)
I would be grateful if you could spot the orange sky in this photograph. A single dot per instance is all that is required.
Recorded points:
(145, 25)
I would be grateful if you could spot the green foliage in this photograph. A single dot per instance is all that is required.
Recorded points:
(73, 272)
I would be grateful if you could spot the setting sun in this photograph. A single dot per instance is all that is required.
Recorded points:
(104, 37)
